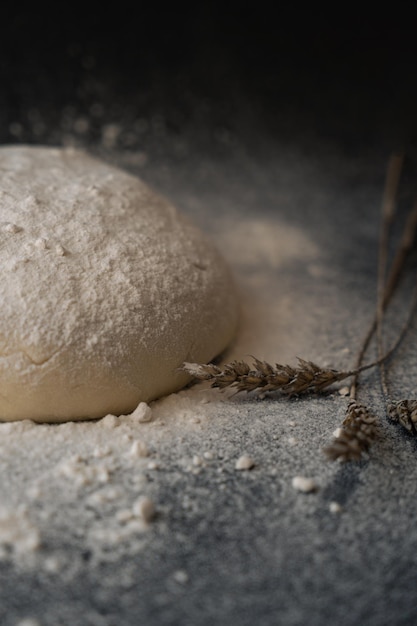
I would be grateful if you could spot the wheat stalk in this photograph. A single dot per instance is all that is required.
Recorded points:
(308, 377)
(402, 411)
(386, 289)
(359, 427)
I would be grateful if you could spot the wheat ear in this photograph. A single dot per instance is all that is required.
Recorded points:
(308, 377)
(358, 432)
(405, 413)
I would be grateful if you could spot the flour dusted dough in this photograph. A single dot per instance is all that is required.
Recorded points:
(105, 289)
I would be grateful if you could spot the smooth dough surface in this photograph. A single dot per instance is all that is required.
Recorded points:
(105, 289)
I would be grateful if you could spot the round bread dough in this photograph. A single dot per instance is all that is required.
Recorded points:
(105, 289)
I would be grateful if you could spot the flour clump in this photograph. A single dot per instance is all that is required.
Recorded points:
(106, 289)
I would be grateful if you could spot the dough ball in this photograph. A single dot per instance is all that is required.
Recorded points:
(105, 289)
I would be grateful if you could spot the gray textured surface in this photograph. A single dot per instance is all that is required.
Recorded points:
(253, 549)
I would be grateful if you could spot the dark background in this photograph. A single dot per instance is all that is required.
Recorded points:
(345, 76)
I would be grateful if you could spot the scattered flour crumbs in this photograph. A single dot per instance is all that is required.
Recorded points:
(95, 483)
(97, 478)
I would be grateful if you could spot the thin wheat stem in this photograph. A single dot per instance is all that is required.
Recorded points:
(403, 411)
(387, 217)
(387, 212)
(359, 427)
(406, 243)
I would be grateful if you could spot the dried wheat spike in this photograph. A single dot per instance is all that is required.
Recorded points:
(405, 413)
(307, 377)
(359, 430)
